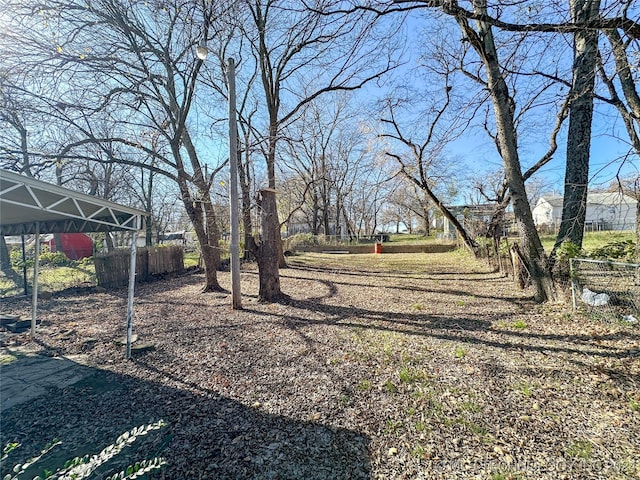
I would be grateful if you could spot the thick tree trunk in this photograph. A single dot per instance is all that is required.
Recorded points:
(244, 175)
(271, 226)
(201, 214)
(638, 232)
(580, 119)
(208, 240)
(148, 223)
(5, 259)
(534, 257)
(5, 263)
(108, 240)
(267, 251)
(462, 233)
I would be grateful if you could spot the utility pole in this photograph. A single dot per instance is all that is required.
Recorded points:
(233, 189)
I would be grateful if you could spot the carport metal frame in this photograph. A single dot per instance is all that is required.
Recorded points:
(30, 206)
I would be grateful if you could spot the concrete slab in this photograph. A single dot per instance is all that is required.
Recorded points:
(25, 375)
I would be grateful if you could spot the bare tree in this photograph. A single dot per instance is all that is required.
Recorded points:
(422, 165)
(131, 66)
(620, 77)
(581, 94)
(321, 148)
(482, 40)
(290, 42)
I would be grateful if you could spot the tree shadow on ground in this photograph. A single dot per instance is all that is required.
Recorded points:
(455, 328)
(386, 274)
(206, 436)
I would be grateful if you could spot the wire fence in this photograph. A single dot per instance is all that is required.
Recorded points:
(606, 290)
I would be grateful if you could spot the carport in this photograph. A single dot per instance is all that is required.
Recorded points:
(33, 207)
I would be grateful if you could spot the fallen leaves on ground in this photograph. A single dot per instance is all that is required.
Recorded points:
(378, 366)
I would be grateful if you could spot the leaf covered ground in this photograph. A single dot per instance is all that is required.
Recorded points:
(377, 367)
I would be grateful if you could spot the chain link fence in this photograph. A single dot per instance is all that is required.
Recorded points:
(606, 290)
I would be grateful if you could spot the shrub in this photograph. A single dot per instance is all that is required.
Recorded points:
(55, 259)
(569, 250)
(83, 467)
(621, 250)
(15, 254)
(300, 239)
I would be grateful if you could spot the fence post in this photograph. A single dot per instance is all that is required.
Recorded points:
(574, 285)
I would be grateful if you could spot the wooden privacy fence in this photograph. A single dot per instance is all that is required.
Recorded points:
(112, 269)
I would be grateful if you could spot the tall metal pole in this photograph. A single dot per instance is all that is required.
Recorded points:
(233, 189)
(132, 286)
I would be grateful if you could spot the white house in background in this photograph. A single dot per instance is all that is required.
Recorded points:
(605, 211)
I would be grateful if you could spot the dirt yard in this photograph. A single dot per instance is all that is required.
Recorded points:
(378, 367)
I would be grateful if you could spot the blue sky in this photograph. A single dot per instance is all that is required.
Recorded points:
(609, 140)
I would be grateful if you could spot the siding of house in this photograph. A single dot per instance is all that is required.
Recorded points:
(548, 211)
(605, 211)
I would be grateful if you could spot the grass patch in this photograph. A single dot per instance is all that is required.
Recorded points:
(580, 449)
(390, 387)
(191, 259)
(364, 385)
(408, 239)
(526, 389)
(506, 475)
(460, 352)
(591, 240)
(397, 263)
(519, 324)
(54, 279)
(7, 358)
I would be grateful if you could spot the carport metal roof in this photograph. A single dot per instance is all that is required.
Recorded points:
(25, 201)
(30, 206)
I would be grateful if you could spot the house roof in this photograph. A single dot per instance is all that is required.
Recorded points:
(554, 201)
(607, 198)
(610, 198)
(28, 205)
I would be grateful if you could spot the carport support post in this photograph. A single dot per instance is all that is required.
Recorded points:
(132, 285)
(36, 272)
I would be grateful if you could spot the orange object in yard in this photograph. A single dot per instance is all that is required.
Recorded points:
(377, 248)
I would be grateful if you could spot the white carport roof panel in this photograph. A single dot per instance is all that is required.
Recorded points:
(25, 201)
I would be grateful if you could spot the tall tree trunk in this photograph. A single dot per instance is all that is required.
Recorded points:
(638, 224)
(200, 213)
(108, 240)
(503, 106)
(576, 182)
(5, 263)
(244, 175)
(267, 250)
(5, 259)
(148, 208)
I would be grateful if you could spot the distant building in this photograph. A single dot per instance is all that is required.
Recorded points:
(476, 220)
(605, 211)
